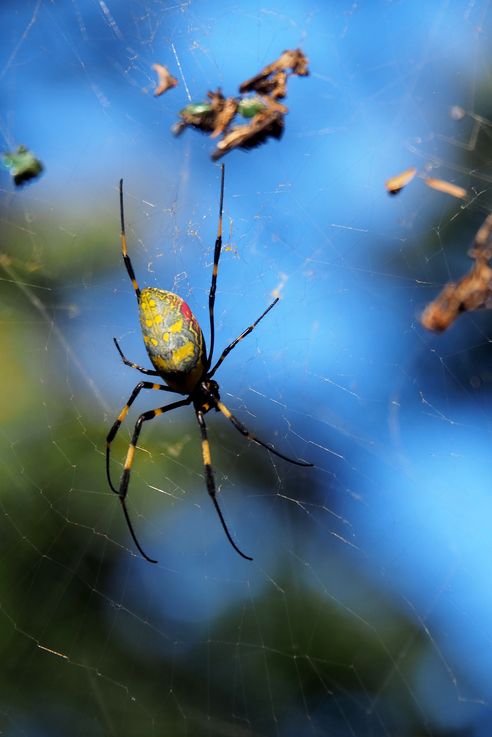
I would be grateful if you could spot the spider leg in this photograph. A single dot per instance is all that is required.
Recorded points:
(116, 425)
(148, 372)
(126, 257)
(234, 343)
(210, 481)
(215, 271)
(125, 476)
(247, 434)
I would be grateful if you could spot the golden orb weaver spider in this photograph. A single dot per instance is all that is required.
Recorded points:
(176, 348)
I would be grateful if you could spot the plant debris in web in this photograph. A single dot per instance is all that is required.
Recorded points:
(395, 184)
(472, 292)
(22, 165)
(258, 103)
(165, 80)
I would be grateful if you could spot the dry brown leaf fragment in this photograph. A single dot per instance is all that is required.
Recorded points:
(296, 61)
(275, 85)
(266, 124)
(293, 60)
(472, 292)
(224, 116)
(264, 112)
(165, 80)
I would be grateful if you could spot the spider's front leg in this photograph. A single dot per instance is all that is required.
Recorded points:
(148, 372)
(220, 406)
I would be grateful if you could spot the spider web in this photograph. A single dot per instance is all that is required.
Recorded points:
(366, 609)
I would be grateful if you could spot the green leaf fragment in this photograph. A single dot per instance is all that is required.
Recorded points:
(22, 165)
(250, 106)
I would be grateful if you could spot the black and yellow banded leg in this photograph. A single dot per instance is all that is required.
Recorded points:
(116, 426)
(148, 372)
(126, 257)
(127, 467)
(241, 337)
(210, 481)
(215, 270)
(247, 434)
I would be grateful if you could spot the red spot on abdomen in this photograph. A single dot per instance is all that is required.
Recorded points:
(185, 310)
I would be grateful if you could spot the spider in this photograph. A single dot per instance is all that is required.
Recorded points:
(176, 348)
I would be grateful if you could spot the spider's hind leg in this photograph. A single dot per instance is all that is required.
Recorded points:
(210, 481)
(125, 476)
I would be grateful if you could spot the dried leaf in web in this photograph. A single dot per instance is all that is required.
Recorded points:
(472, 292)
(294, 61)
(267, 124)
(165, 80)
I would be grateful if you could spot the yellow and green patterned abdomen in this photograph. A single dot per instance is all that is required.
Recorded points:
(173, 338)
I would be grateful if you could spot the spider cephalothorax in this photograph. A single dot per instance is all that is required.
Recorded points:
(176, 347)
(206, 397)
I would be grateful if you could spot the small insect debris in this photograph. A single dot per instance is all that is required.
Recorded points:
(442, 186)
(472, 292)
(258, 104)
(165, 80)
(210, 117)
(22, 165)
(395, 184)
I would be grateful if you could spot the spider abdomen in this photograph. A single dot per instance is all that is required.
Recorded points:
(173, 338)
